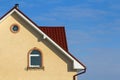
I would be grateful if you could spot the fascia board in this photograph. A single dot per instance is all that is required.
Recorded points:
(7, 15)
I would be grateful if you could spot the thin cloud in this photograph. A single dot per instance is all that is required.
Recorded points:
(44, 18)
(111, 27)
(96, 1)
(115, 6)
(25, 4)
(77, 37)
(52, 1)
(37, 3)
(74, 13)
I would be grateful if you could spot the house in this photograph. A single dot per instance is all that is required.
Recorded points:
(32, 52)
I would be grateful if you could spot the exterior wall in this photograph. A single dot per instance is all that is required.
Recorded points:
(14, 48)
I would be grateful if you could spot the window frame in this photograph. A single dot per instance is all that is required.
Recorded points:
(29, 59)
(30, 63)
(11, 28)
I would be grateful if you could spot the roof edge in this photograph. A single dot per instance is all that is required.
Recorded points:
(53, 26)
(6, 13)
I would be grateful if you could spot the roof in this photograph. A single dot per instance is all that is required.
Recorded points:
(47, 33)
(57, 34)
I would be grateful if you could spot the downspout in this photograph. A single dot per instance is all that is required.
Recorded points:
(83, 71)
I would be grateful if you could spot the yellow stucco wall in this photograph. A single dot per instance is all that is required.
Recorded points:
(14, 48)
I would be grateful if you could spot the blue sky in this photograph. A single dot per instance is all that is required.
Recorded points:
(92, 27)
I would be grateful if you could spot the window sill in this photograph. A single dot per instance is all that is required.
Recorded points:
(35, 68)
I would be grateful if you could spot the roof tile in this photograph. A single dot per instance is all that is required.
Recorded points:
(57, 34)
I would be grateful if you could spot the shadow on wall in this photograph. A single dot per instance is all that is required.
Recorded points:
(27, 26)
(62, 56)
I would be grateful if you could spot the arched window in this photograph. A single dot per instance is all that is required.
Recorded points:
(35, 58)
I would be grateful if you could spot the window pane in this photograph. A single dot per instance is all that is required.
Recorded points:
(35, 52)
(35, 60)
(15, 28)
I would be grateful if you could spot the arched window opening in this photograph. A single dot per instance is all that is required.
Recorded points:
(35, 59)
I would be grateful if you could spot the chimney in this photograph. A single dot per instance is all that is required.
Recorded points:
(17, 6)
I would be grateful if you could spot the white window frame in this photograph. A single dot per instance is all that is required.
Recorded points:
(30, 60)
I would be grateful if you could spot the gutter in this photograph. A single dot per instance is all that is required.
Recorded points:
(83, 71)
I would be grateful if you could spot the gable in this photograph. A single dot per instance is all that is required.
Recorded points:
(47, 35)
(14, 51)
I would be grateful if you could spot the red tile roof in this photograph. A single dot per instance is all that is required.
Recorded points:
(57, 34)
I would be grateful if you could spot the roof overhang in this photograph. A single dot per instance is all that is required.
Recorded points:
(76, 64)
